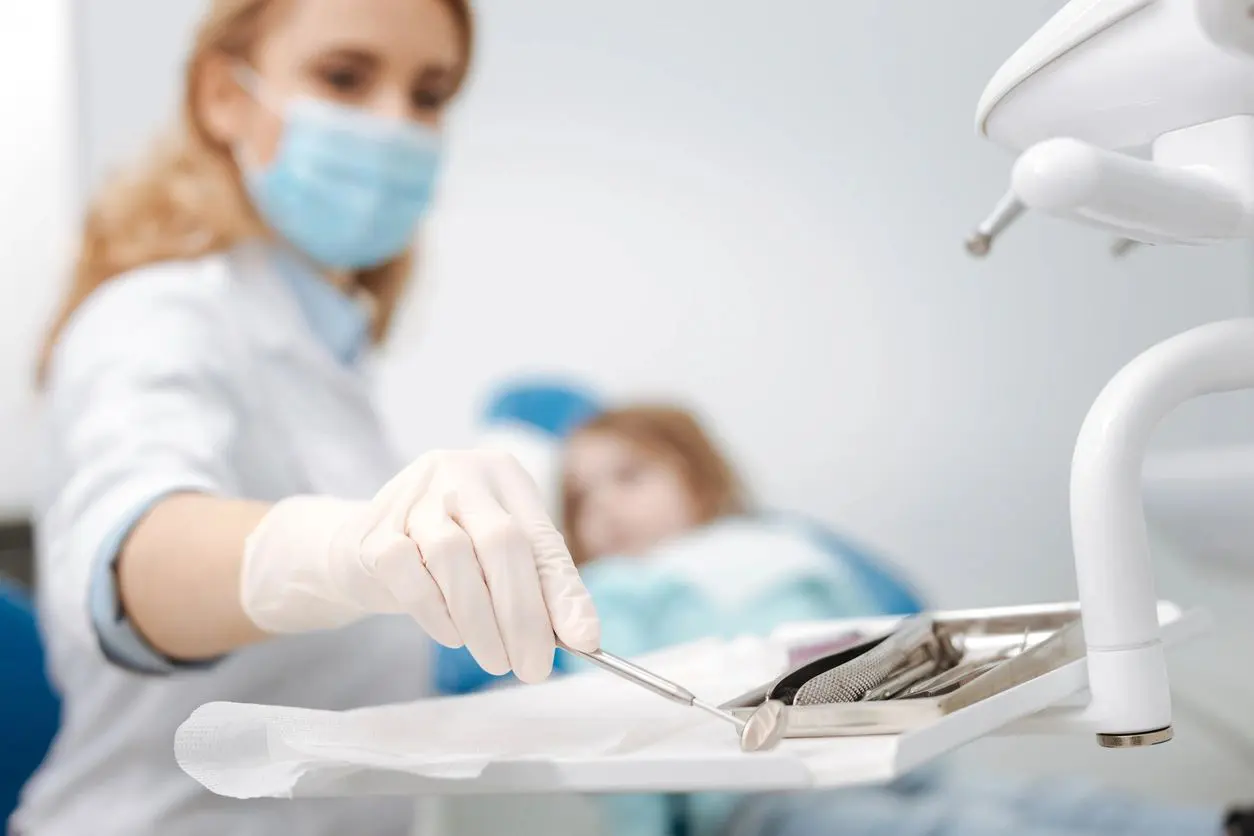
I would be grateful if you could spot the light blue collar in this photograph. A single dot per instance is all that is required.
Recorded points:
(338, 321)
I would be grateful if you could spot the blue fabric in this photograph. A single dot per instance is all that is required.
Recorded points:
(892, 593)
(945, 803)
(640, 815)
(456, 671)
(346, 188)
(119, 641)
(642, 611)
(339, 322)
(30, 709)
(553, 407)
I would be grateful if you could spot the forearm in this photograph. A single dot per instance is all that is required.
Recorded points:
(200, 577)
(179, 575)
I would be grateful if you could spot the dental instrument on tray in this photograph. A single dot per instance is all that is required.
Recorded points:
(1102, 82)
(921, 671)
(760, 731)
(913, 650)
(915, 673)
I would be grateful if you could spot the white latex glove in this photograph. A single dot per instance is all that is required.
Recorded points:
(458, 540)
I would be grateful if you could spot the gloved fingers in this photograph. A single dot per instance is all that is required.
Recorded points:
(571, 611)
(449, 557)
(517, 492)
(356, 580)
(509, 569)
(393, 559)
(393, 501)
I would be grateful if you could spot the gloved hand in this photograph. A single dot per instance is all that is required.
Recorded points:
(458, 540)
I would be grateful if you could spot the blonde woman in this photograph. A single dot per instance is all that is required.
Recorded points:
(222, 519)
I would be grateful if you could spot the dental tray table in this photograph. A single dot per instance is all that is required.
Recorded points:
(1024, 673)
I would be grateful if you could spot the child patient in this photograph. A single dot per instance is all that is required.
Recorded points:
(657, 522)
(660, 526)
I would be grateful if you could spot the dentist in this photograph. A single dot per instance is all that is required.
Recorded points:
(222, 518)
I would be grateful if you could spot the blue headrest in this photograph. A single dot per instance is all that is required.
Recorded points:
(553, 407)
(30, 710)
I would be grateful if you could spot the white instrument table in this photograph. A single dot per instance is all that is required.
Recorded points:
(697, 753)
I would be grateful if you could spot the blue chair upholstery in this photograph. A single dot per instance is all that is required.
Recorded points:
(551, 407)
(30, 709)
(456, 672)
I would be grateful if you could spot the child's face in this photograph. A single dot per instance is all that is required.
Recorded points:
(629, 500)
(393, 58)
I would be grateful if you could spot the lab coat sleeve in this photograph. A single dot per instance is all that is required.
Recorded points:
(139, 406)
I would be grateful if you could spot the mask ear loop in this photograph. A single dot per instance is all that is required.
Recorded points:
(252, 84)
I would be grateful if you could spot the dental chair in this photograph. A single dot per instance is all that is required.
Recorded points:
(30, 709)
(532, 419)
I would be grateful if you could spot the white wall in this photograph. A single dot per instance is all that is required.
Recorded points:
(38, 207)
(760, 208)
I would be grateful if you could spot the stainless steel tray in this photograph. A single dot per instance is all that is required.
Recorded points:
(1045, 639)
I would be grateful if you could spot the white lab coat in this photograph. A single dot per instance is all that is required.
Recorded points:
(202, 375)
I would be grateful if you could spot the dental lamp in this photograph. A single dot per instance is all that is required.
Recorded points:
(1135, 117)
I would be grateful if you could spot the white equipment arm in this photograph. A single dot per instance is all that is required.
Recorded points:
(1104, 78)
(1101, 82)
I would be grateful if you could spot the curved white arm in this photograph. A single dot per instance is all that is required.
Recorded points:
(1197, 189)
(1127, 670)
(1144, 199)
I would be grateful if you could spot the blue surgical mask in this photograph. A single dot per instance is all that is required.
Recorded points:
(347, 188)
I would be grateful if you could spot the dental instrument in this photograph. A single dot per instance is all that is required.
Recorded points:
(760, 731)
(1007, 211)
(912, 645)
(1101, 81)
(991, 660)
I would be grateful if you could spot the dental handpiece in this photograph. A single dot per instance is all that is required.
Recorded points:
(763, 730)
(1007, 211)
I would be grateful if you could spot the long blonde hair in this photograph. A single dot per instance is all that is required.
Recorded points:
(185, 200)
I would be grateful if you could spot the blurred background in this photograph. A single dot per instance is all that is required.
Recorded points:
(757, 209)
